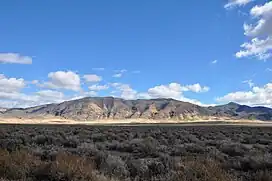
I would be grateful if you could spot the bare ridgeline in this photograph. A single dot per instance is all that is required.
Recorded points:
(101, 108)
(136, 153)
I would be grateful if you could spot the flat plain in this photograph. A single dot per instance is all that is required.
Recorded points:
(210, 152)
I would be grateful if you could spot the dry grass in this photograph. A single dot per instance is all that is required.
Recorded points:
(20, 165)
(204, 170)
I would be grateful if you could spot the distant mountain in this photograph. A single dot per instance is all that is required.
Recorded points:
(94, 108)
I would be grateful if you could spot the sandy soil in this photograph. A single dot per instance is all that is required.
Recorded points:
(56, 120)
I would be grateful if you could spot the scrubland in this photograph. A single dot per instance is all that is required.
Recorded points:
(147, 153)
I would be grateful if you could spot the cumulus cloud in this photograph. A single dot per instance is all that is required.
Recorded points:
(172, 90)
(83, 94)
(63, 80)
(195, 88)
(92, 78)
(98, 87)
(14, 58)
(260, 45)
(264, 24)
(11, 94)
(235, 3)
(258, 48)
(18, 99)
(50, 94)
(35, 82)
(125, 90)
(256, 96)
(14, 96)
(11, 84)
(8, 104)
(175, 90)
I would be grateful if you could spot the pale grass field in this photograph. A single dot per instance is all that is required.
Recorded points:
(57, 120)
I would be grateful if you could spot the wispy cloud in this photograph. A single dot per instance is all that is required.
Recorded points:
(92, 78)
(214, 61)
(249, 82)
(268, 69)
(117, 75)
(121, 70)
(236, 3)
(14, 58)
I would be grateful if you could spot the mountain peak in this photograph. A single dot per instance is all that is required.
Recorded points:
(98, 108)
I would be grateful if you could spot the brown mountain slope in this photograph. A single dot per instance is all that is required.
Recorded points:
(93, 108)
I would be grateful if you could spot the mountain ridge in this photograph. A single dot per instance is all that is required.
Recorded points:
(96, 108)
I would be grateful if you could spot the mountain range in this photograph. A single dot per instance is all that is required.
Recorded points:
(95, 108)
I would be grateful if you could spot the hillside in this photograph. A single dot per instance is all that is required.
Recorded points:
(95, 108)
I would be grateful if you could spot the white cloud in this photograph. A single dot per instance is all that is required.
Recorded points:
(14, 96)
(98, 87)
(11, 95)
(173, 90)
(125, 90)
(264, 24)
(90, 93)
(51, 94)
(18, 99)
(8, 104)
(256, 96)
(117, 75)
(195, 88)
(249, 82)
(194, 101)
(35, 82)
(214, 61)
(11, 84)
(121, 71)
(260, 45)
(63, 80)
(258, 48)
(14, 58)
(143, 95)
(235, 3)
(92, 78)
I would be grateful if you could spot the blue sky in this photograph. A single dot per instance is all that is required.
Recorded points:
(52, 51)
